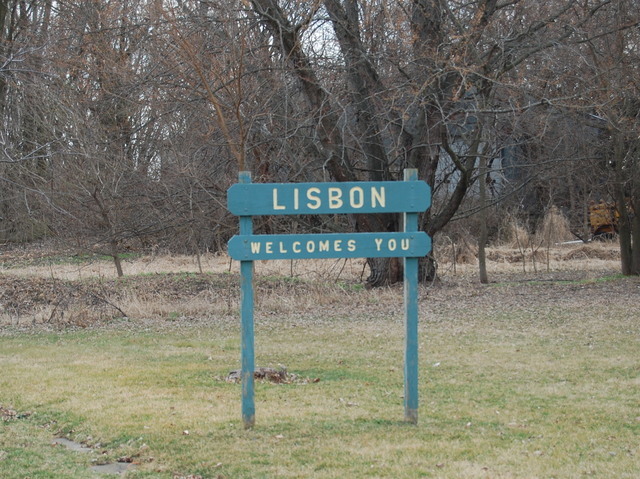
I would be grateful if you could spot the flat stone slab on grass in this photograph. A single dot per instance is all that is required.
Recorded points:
(113, 468)
(74, 446)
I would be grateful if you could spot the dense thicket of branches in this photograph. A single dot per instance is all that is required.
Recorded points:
(124, 122)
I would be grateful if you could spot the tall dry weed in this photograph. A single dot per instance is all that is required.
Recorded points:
(514, 234)
(553, 229)
(467, 251)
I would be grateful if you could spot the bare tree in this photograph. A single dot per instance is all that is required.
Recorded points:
(615, 69)
(128, 120)
(413, 84)
(25, 137)
(587, 128)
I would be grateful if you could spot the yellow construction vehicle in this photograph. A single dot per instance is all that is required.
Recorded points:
(603, 219)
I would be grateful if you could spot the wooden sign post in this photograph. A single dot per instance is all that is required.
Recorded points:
(410, 197)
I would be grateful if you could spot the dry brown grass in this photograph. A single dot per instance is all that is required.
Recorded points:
(169, 287)
(590, 258)
(324, 270)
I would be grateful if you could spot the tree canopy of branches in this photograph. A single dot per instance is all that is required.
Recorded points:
(127, 120)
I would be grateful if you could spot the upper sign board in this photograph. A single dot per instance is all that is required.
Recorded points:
(253, 199)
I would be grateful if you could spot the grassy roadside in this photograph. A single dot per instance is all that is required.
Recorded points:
(528, 389)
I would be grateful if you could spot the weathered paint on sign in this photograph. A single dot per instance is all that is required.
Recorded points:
(334, 245)
(247, 324)
(408, 197)
(253, 199)
(410, 221)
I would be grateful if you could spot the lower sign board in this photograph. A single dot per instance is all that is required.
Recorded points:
(334, 245)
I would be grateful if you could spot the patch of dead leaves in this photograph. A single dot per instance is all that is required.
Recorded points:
(8, 414)
(273, 375)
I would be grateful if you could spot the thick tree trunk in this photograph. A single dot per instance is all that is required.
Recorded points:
(624, 223)
(635, 237)
(329, 144)
(626, 256)
(482, 238)
(384, 271)
(117, 261)
(364, 84)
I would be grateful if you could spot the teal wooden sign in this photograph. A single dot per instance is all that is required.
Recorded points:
(254, 199)
(334, 245)
(246, 199)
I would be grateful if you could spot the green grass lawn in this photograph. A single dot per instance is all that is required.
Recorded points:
(517, 391)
